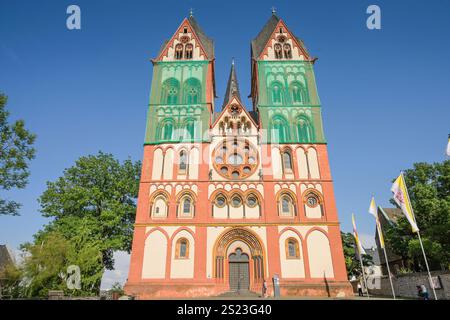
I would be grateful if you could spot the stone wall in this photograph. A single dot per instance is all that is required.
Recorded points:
(405, 285)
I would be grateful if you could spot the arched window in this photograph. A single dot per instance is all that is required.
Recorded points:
(287, 162)
(278, 51)
(252, 201)
(298, 93)
(287, 51)
(189, 130)
(159, 207)
(186, 207)
(236, 201)
(182, 249)
(305, 132)
(189, 51)
(192, 91)
(279, 130)
(287, 207)
(292, 249)
(179, 51)
(170, 91)
(165, 130)
(277, 94)
(221, 201)
(183, 162)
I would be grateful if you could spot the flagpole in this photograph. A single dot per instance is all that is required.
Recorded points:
(420, 241)
(387, 264)
(363, 274)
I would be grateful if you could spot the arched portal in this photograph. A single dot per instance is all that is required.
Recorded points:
(237, 265)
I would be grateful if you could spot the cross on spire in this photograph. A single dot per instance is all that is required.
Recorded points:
(274, 10)
(191, 12)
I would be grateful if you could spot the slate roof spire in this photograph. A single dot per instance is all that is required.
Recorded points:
(232, 86)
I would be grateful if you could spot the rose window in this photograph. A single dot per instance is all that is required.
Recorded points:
(235, 159)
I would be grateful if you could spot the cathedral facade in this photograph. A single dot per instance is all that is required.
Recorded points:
(229, 199)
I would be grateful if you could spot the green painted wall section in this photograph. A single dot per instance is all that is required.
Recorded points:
(178, 111)
(288, 102)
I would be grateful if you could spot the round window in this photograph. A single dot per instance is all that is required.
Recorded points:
(251, 201)
(235, 159)
(220, 202)
(236, 201)
(312, 201)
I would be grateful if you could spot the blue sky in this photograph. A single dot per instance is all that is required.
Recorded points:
(385, 93)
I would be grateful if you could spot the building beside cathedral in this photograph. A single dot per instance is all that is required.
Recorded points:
(230, 198)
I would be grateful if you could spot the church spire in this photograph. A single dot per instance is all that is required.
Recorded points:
(232, 86)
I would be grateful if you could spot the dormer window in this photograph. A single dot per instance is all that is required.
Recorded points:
(188, 51)
(281, 30)
(185, 30)
(179, 51)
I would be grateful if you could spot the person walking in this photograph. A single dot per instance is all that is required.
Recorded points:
(264, 289)
(424, 290)
(360, 292)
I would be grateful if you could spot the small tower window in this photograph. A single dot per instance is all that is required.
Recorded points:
(287, 51)
(292, 249)
(185, 30)
(182, 249)
(287, 162)
(179, 51)
(183, 161)
(187, 207)
(278, 51)
(188, 51)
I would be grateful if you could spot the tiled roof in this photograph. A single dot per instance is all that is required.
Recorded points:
(263, 37)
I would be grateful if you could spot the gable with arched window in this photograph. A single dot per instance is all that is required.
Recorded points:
(287, 51)
(182, 249)
(279, 130)
(189, 50)
(286, 206)
(186, 206)
(170, 91)
(179, 51)
(305, 132)
(192, 91)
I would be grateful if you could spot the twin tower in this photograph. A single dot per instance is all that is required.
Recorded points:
(229, 199)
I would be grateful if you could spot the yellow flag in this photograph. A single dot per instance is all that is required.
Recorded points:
(401, 197)
(373, 210)
(355, 234)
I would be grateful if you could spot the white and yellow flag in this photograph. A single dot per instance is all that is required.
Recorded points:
(448, 146)
(374, 212)
(401, 197)
(355, 234)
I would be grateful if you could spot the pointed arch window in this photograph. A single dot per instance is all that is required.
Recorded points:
(277, 92)
(159, 207)
(298, 93)
(166, 131)
(189, 130)
(286, 206)
(287, 51)
(170, 91)
(183, 161)
(179, 51)
(305, 132)
(279, 130)
(292, 249)
(192, 91)
(186, 207)
(182, 249)
(189, 49)
(287, 162)
(278, 51)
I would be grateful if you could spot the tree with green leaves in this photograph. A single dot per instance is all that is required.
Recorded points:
(95, 200)
(351, 257)
(429, 191)
(16, 151)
